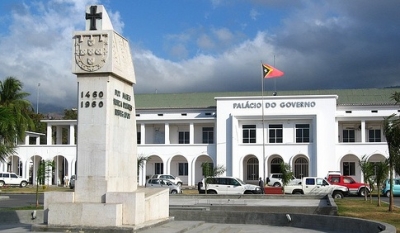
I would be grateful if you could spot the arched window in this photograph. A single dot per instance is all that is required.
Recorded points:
(276, 165)
(252, 169)
(300, 168)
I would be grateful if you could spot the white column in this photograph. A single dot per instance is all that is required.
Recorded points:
(191, 134)
(363, 131)
(167, 142)
(190, 175)
(38, 140)
(72, 134)
(58, 135)
(26, 139)
(49, 133)
(337, 131)
(71, 168)
(142, 174)
(143, 134)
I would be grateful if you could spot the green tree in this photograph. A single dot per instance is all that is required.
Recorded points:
(15, 110)
(70, 114)
(7, 147)
(43, 174)
(287, 174)
(210, 171)
(381, 173)
(141, 159)
(391, 129)
(367, 170)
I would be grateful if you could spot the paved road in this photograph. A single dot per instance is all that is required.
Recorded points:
(20, 200)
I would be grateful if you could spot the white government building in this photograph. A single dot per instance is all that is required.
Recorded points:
(249, 133)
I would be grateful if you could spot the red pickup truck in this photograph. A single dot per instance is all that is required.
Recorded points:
(355, 188)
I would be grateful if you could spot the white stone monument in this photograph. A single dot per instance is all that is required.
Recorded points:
(106, 193)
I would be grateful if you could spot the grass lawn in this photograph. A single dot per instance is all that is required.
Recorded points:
(356, 208)
(32, 189)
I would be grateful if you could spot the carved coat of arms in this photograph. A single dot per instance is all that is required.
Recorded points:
(91, 51)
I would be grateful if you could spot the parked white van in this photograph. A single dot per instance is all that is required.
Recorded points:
(227, 185)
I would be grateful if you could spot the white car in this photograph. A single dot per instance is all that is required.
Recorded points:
(227, 185)
(7, 178)
(173, 179)
(162, 183)
(275, 179)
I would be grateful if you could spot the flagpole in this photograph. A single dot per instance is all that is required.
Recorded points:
(275, 78)
(263, 127)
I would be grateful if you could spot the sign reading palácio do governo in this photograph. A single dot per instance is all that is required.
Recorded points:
(287, 104)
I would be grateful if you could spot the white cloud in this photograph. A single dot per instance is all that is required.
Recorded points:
(318, 46)
(205, 42)
(223, 34)
(253, 14)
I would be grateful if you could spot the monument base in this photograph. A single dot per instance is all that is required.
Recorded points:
(120, 209)
(86, 229)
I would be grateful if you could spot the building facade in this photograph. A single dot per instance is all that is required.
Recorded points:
(248, 133)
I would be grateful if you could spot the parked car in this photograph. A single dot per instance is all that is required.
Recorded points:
(173, 179)
(317, 186)
(163, 183)
(355, 188)
(396, 187)
(7, 178)
(72, 182)
(275, 179)
(227, 185)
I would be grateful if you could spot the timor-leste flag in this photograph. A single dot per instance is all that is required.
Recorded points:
(270, 71)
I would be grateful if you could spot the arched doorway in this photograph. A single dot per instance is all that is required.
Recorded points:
(33, 168)
(275, 165)
(60, 170)
(198, 171)
(154, 165)
(349, 166)
(179, 167)
(301, 167)
(251, 171)
(15, 165)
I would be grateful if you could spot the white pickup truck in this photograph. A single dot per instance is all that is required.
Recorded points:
(317, 186)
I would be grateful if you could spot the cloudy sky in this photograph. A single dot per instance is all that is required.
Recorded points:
(208, 45)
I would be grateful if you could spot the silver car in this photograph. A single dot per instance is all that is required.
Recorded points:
(163, 183)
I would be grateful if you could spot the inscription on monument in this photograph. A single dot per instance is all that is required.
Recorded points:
(92, 99)
(122, 103)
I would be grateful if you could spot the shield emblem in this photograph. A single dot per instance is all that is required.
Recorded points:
(91, 51)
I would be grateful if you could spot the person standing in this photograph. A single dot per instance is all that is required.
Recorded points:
(261, 184)
(66, 181)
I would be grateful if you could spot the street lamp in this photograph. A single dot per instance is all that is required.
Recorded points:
(37, 99)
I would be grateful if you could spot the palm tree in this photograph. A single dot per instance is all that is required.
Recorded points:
(391, 129)
(392, 133)
(396, 97)
(210, 171)
(382, 171)
(15, 113)
(6, 145)
(367, 171)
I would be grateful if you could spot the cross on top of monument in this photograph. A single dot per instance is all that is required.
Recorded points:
(97, 18)
(92, 16)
